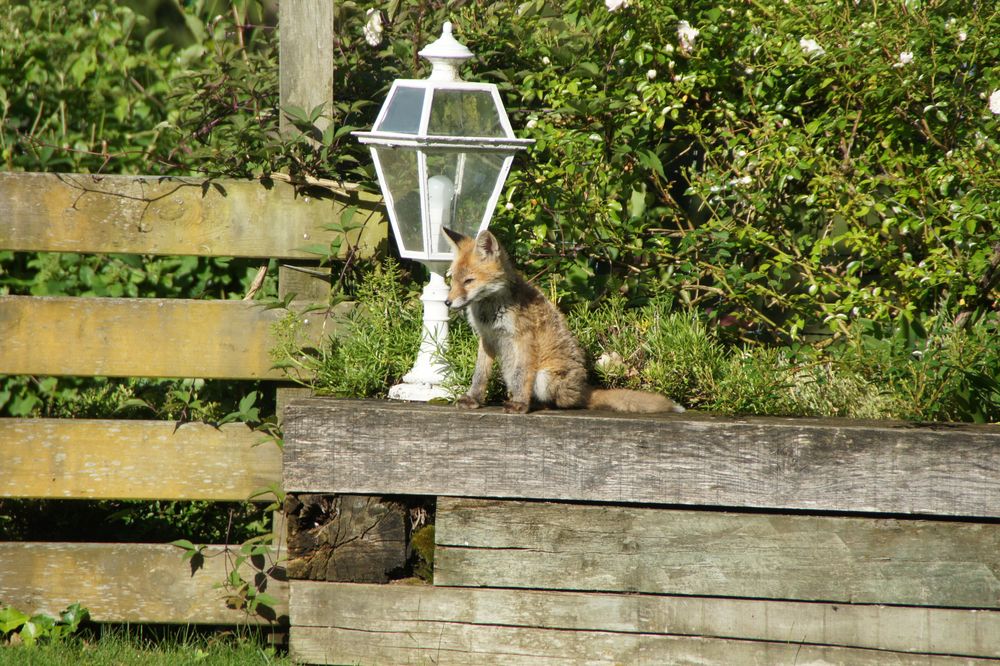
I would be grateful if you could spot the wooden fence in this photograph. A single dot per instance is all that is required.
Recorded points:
(120, 337)
(569, 538)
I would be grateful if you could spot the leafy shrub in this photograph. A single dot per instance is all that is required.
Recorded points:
(79, 89)
(23, 629)
(375, 348)
(785, 167)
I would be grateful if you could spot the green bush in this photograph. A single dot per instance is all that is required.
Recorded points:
(79, 87)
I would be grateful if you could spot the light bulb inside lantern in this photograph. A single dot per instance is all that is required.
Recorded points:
(440, 192)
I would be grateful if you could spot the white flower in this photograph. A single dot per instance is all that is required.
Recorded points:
(962, 35)
(509, 206)
(811, 47)
(373, 28)
(905, 58)
(615, 5)
(995, 102)
(651, 74)
(668, 48)
(546, 61)
(532, 123)
(686, 36)
(610, 363)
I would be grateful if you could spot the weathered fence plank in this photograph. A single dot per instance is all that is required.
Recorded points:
(344, 446)
(393, 625)
(123, 582)
(627, 549)
(103, 459)
(182, 216)
(126, 337)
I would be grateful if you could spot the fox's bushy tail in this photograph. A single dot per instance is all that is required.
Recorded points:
(627, 400)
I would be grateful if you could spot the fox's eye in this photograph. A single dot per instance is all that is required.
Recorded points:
(468, 280)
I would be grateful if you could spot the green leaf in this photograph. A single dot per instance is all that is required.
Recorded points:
(11, 619)
(73, 616)
(637, 202)
(248, 402)
(265, 599)
(30, 633)
(296, 113)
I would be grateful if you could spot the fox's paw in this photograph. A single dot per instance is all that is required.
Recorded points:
(467, 402)
(515, 407)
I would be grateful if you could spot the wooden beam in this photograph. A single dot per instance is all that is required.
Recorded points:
(305, 58)
(628, 549)
(369, 624)
(177, 216)
(692, 459)
(95, 459)
(122, 337)
(124, 582)
(346, 538)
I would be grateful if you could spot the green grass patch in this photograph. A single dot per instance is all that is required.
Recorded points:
(115, 646)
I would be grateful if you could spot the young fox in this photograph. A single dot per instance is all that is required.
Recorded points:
(539, 357)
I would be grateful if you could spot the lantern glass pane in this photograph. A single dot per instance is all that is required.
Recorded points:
(403, 111)
(402, 192)
(474, 177)
(464, 113)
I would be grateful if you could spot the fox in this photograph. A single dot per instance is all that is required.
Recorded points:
(541, 361)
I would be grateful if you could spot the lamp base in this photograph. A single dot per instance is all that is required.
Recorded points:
(424, 382)
(418, 392)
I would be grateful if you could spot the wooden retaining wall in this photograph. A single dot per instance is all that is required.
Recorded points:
(575, 537)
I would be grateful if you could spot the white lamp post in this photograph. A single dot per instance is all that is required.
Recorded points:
(442, 148)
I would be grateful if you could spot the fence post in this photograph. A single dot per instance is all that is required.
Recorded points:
(305, 56)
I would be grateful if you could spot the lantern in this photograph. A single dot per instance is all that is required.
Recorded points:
(442, 148)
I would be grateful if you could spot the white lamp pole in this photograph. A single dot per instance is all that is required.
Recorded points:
(442, 148)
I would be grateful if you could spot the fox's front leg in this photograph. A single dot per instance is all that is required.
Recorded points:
(476, 395)
(521, 382)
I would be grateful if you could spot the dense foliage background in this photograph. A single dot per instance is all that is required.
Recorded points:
(814, 183)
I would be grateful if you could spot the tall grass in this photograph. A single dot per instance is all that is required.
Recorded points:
(944, 374)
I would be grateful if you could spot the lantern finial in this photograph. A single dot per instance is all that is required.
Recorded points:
(446, 55)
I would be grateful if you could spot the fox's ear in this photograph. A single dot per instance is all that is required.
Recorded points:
(487, 244)
(453, 237)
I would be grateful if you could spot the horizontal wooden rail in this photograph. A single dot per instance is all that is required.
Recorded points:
(540, 545)
(335, 623)
(96, 459)
(125, 337)
(123, 582)
(690, 459)
(178, 216)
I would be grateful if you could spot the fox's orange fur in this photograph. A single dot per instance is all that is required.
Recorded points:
(540, 359)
